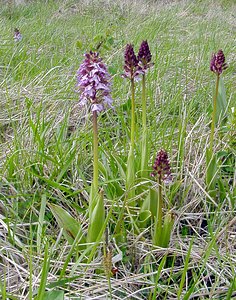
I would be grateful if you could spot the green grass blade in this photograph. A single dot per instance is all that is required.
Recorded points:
(43, 281)
(40, 222)
(186, 263)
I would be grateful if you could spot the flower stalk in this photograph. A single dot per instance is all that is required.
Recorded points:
(217, 66)
(144, 152)
(132, 71)
(214, 112)
(144, 58)
(132, 137)
(95, 151)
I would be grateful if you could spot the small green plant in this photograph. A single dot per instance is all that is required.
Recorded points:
(162, 173)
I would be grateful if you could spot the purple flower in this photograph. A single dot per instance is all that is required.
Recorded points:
(94, 83)
(17, 35)
(218, 63)
(145, 56)
(161, 167)
(131, 66)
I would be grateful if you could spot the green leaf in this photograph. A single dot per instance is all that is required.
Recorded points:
(186, 266)
(221, 106)
(222, 190)
(44, 275)
(167, 228)
(54, 295)
(143, 218)
(96, 219)
(130, 176)
(150, 203)
(71, 227)
(153, 201)
(61, 283)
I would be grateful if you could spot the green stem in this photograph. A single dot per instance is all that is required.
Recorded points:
(95, 152)
(157, 239)
(132, 115)
(160, 202)
(214, 113)
(144, 157)
(144, 104)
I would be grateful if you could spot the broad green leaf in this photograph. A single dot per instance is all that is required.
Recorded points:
(96, 219)
(153, 201)
(221, 106)
(130, 175)
(71, 227)
(222, 190)
(157, 234)
(54, 295)
(143, 218)
(61, 283)
(150, 203)
(167, 228)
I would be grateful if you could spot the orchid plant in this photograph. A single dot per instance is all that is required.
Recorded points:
(217, 66)
(132, 71)
(162, 173)
(94, 85)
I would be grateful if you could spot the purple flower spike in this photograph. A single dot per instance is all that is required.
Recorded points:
(218, 63)
(145, 56)
(161, 167)
(131, 67)
(94, 83)
(17, 35)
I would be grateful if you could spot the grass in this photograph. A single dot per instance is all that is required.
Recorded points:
(46, 148)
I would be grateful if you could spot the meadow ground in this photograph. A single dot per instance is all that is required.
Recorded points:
(46, 149)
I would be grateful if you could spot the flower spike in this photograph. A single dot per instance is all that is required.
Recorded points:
(145, 56)
(131, 67)
(218, 64)
(94, 83)
(161, 166)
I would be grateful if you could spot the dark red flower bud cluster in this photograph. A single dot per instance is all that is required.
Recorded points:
(218, 63)
(161, 166)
